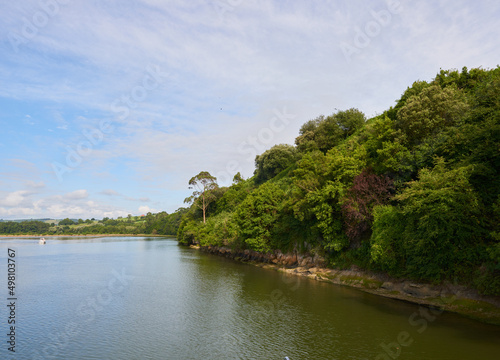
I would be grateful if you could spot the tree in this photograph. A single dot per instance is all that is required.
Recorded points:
(319, 184)
(204, 185)
(386, 150)
(367, 191)
(414, 90)
(237, 178)
(258, 215)
(433, 109)
(325, 133)
(436, 230)
(306, 140)
(466, 80)
(273, 161)
(234, 195)
(66, 221)
(349, 121)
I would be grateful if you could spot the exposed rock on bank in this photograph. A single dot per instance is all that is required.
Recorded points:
(276, 257)
(449, 297)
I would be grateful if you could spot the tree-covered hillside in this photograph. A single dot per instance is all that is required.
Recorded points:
(413, 192)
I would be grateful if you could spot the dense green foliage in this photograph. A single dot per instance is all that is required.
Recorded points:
(413, 192)
(438, 228)
(24, 227)
(273, 161)
(325, 133)
(66, 221)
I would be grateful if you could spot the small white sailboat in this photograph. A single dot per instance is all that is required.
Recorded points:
(42, 241)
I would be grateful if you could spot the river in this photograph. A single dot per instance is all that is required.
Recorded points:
(125, 298)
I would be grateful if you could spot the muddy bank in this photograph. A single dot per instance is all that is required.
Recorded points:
(446, 296)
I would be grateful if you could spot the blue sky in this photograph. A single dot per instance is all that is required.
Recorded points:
(110, 107)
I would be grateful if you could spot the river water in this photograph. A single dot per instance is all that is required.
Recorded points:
(149, 298)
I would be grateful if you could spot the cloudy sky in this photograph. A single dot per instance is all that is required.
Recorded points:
(110, 107)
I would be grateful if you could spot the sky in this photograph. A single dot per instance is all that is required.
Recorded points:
(108, 108)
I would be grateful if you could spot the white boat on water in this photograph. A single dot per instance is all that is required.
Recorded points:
(42, 241)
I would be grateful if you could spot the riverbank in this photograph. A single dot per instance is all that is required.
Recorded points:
(448, 297)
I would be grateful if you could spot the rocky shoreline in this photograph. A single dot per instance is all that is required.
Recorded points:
(448, 297)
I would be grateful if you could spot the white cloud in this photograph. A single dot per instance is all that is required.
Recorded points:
(52, 208)
(35, 185)
(144, 209)
(110, 192)
(15, 198)
(17, 212)
(76, 195)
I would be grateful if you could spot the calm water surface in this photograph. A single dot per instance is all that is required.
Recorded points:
(148, 298)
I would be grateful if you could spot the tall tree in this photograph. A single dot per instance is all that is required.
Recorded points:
(273, 161)
(204, 185)
(325, 133)
(429, 112)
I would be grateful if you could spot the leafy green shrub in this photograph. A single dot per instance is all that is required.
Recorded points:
(435, 232)
(273, 161)
(258, 214)
(433, 109)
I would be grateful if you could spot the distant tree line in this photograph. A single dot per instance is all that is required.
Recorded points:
(24, 227)
(157, 224)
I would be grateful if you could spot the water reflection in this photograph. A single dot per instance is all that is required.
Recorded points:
(178, 303)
